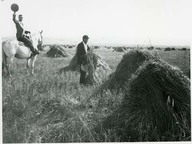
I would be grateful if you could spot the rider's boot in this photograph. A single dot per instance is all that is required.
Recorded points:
(36, 51)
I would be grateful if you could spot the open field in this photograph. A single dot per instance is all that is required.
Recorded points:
(53, 107)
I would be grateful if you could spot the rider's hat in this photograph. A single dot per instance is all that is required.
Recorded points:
(14, 7)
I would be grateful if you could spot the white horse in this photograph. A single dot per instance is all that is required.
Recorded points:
(14, 48)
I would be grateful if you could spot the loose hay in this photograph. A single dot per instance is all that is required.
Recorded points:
(128, 65)
(156, 105)
(57, 51)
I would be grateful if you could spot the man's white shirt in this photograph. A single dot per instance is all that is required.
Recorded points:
(85, 46)
(84, 67)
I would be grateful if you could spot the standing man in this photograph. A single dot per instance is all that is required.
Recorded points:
(82, 49)
(21, 33)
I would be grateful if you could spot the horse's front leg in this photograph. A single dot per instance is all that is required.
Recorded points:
(33, 59)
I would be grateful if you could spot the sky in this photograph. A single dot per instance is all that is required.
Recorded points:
(126, 22)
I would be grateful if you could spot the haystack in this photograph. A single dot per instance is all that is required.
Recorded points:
(57, 51)
(167, 49)
(129, 64)
(73, 66)
(118, 49)
(98, 69)
(156, 105)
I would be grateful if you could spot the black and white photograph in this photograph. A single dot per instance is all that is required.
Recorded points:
(84, 71)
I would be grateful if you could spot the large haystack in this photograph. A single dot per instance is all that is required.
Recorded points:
(156, 105)
(129, 64)
(57, 51)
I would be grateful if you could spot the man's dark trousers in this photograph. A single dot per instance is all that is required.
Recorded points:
(82, 76)
(27, 42)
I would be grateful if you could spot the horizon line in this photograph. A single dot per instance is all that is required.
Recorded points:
(57, 40)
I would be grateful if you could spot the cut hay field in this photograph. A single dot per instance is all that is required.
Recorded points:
(53, 107)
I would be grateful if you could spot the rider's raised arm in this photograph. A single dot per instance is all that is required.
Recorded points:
(14, 18)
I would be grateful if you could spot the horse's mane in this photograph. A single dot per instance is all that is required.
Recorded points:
(36, 34)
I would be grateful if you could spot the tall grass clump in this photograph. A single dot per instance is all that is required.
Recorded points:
(156, 106)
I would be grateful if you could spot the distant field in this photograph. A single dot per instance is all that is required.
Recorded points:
(52, 107)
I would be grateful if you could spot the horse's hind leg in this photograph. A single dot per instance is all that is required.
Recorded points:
(3, 60)
(8, 62)
(3, 67)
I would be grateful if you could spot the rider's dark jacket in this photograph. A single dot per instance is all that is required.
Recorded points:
(19, 26)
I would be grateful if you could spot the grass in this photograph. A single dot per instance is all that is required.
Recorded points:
(53, 107)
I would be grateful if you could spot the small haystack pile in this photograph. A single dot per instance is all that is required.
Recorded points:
(119, 49)
(98, 70)
(129, 64)
(57, 51)
(167, 49)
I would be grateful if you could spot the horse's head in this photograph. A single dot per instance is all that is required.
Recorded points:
(37, 39)
(40, 40)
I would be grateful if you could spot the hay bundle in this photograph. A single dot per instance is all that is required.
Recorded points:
(156, 105)
(73, 65)
(150, 48)
(128, 65)
(184, 49)
(119, 49)
(57, 51)
(167, 49)
(98, 70)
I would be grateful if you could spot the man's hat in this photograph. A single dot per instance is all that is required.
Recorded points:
(14, 7)
(85, 37)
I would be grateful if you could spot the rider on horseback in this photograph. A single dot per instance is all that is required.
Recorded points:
(22, 34)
